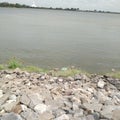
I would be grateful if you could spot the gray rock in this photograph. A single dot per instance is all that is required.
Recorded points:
(93, 107)
(62, 117)
(116, 114)
(46, 116)
(11, 116)
(30, 115)
(3, 99)
(89, 117)
(25, 99)
(35, 99)
(107, 111)
(8, 107)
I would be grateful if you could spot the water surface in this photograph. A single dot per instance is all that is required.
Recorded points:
(53, 38)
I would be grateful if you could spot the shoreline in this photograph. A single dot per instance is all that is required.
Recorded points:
(14, 63)
(10, 5)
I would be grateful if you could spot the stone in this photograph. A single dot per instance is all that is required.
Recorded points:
(116, 114)
(101, 84)
(93, 107)
(24, 107)
(10, 77)
(13, 97)
(35, 99)
(62, 117)
(4, 99)
(89, 117)
(30, 115)
(46, 116)
(40, 108)
(25, 99)
(1, 93)
(11, 116)
(9, 106)
(79, 113)
(107, 111)
(17, 109)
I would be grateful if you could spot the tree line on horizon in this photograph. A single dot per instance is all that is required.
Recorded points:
(17, 5)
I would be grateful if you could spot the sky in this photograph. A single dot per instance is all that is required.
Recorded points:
(106, 5)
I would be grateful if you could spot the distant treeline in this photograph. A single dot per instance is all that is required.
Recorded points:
(6, 4)
(17, 5)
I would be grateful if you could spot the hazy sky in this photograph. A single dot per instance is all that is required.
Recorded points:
(110, 5)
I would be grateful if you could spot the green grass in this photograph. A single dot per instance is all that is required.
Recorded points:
(34, 69)
(68, 72)
(2, 67)
(14, 63)
(115, 74)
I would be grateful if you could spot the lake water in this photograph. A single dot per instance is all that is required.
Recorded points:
(53, 38)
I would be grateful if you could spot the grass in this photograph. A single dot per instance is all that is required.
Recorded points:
(115, 74)
(33, 69)
(2, 67)
(64, 72)
(68, 72)
(14, 63)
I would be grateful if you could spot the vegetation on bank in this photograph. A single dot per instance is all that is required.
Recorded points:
(6, 4)
(17, 5)
(63, 72)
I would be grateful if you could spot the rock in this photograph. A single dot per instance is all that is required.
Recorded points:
(8, 107)
(40, 108)
(11, 116)
(116, 114)
(24, 108)
(107, 111)
(25, 99)
(62, 117)
(4, 99)
(30, 115)
(101, 84)
(89, 117)
(10, 77)
(17, 109)
(46, 116)
(79, 113)
(35, 99)
(1, 93)
(78, 77)
(93, 107)
(13, 98)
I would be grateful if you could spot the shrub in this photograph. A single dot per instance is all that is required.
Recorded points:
(14, 63)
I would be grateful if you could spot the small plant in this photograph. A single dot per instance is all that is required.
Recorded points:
(68, 72)
(33, 69)
(1, 67)
(14, 63)
(115, 74)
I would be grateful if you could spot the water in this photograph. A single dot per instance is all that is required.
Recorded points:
(49, 38)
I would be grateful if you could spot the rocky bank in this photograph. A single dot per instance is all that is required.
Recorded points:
(40, 96)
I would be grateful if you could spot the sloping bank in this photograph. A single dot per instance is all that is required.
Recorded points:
(43, 96)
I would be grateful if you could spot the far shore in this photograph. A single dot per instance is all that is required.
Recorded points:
(11, 5)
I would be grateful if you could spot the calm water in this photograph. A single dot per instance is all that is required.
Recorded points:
(50, 38)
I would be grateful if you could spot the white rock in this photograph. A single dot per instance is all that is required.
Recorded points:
(9, 77)
(101, 84)
(13, 97)
(41, 108)
(1, 93)
(24, 108)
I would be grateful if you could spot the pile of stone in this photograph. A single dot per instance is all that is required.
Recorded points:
(33, 96)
